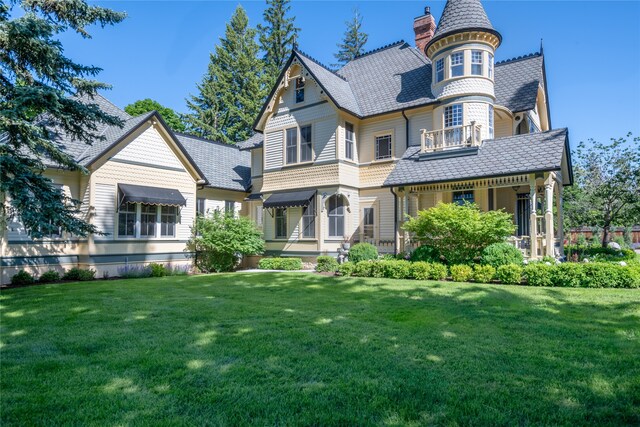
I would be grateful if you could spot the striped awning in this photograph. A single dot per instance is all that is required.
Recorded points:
(290, 199)
(130, 193)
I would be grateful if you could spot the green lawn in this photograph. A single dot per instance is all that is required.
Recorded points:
(296, 349)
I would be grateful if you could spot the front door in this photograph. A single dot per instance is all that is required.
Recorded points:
(523, 213)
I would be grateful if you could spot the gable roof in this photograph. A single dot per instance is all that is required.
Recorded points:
(534, 152)
(255, 141)
(517, 82)
(225, 166)
(462, 15)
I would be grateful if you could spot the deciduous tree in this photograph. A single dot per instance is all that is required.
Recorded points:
(143, 106)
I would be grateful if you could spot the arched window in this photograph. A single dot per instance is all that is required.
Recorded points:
(336, 216)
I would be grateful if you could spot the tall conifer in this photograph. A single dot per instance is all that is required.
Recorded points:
(277, 38)
(354, 40)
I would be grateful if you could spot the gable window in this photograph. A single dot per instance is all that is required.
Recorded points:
(309, 220)
(349, 139)
(383, 147)
(127, 220)
(457, 64)
(367, 223)
(453, 115)
(476, 62)
(299, 90)
(336, 216)
(306, 145)
(292, 145)
(148, 219)
(462, 197)
(281, 223)
(491, 118)
(490, 66)
(168, 220)
(439, 70)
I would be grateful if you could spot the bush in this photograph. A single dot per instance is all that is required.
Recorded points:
(280, 264)
(539, 274)
(393, 269)
(601, 275)
(600, 254)
(220, 241)
(483, 273)
(510, 274)
(363, 269)
(568, 274)
(346, 269)
(460, 233)
(49, 276)
(425, 253)
(362, 252)
(22, 278)
(157, 270)
(79, 274)
(421, 270)
(134, 271)
(499, 254)
(461, 273)
(327, 264)
(438, 271)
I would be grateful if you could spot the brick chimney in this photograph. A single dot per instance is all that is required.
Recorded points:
(424, 26)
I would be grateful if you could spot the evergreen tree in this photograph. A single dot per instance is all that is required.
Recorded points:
(143, 106)
(354, 40)
(42, 90)
(277, 38)
(231, 92)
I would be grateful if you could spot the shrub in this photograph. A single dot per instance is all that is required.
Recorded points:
(346, 269)
(538, 274)
(395, 269)
(79, 274)
(280, 264)
(421, 270)
(363, 269)
(600, 254)
(502, 253)
(601, 275)
(134, 271)
(461, 273)
(438, 271)
(460, 233)
(425, 253)
(510, 274)
(22, 278)
(362, 252)
(157, 270)
(220, 241)
(483, 273)
(568, 274)
(327, 264)
(49, 276)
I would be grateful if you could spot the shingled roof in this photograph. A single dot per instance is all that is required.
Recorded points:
(511, 155)
(255, 141)
(462, 15)
(517, 82)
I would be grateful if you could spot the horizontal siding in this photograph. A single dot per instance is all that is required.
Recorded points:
(366, 144)
(187, 217)
(150, 148)
(423, 120)
(324, 143)
(256, 162)
(105, 203)
(385, 204)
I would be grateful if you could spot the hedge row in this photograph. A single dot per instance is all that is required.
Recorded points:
(280, 264)
(590, 275)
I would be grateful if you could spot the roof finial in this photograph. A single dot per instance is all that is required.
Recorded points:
(541, 47)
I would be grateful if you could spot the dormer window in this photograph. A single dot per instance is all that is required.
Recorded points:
(439, 70)
(476, 62)
(457, 64)
(299, 90)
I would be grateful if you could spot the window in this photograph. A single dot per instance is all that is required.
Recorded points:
(453, 115)
(462, 197)
(127, 220)
(168, 220)
(309, 220)
(229, 207)
(281, 223)
(367, 223)
(533, 128)
(476, 62)
(349, 139)
(201, 206)
(490, 66)
(439, 70)
(336, 216)
(457, 64)
(299, 90)
(490, 121)
(148, 218)
(292, 145)
(383, 147)
(306, 145)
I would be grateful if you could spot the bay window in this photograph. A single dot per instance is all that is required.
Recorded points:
(476, 62)
(490, 64)
(457, 64)
(453, 115)
(439, 70)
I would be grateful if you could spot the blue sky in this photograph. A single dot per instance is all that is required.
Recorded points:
(592, 49)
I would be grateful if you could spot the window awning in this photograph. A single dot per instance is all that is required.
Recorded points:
(151, 195)
(290, 199)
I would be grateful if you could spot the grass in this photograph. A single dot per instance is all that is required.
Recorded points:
(296, 349)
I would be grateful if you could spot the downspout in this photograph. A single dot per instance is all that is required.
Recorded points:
(406, 120)
(395, 221)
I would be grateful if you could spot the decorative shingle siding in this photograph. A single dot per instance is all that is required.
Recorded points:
(464, 87)
(306, 177)
(478, 112)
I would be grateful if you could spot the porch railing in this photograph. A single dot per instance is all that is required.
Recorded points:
(450, 138)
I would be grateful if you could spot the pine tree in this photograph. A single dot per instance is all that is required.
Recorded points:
(231, 92)
(40, 90)
(277, 38)
(354, 40)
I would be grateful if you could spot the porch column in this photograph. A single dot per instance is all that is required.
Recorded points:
(560, 214)
(548, 215)
(533, 218)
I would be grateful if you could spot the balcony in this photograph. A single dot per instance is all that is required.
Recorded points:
(450, 138)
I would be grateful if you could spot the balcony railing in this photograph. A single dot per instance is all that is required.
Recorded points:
(450, 138)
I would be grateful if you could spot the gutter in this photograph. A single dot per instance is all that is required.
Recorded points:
(395, 221)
